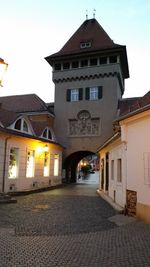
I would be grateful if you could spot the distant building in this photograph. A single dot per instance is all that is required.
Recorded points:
(30, 156)
(89, 73)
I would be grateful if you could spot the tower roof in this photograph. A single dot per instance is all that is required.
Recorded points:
(90, 32)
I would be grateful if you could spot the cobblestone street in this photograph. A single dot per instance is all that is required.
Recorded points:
(69, 227)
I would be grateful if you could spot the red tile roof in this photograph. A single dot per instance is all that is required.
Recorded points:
(23, 103)
(129, 105)
(7, 117)
(89, 31)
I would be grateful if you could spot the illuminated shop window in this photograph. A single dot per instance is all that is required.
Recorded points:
(13, 163)
(46, 163)
(56, 165)
(30, 163)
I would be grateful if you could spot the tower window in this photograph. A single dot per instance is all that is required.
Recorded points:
(74, 94)
(84, 63)
(85, 45)
(113, 59)
(57, 66)
(66, 65)
(75, 64)
(103, 60)
(93, 93)
(93, 61)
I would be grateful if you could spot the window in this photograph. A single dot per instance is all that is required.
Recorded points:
(112, 169)
(85, 45)
(93, 93)
(56, 165)
(146, 158)
(13, 163)
(74, 94)
(57, 66)
(30, 163)
(113, 59)
(18, 125)
(103, 60)
(66, 65)
(93, 61)
(46, 163)
(47, 134)
(75, 64)
(119, 170)
(84, 63)
(21, 125)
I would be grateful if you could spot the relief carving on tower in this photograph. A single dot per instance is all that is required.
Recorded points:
(84, 125)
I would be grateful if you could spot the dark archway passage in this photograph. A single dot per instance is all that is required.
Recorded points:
(71, 162)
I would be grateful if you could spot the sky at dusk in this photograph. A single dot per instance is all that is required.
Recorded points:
(30, 30)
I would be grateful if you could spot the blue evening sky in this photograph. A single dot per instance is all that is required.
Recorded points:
(33, 29)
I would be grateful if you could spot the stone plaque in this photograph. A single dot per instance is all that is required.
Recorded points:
(84, 125)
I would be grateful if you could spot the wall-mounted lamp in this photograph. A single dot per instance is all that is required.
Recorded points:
(46, 148)
(3, 68)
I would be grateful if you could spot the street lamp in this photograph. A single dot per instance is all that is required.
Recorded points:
(3, 68)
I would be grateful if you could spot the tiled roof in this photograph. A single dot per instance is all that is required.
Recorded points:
(7, 117)
(129, 105)
(23, 103)
(89, 31)
(38, 127)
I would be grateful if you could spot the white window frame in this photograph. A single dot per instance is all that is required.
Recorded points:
(119, 170)
(56, 164)
(93, 93)
(74, 95)
(30, 164)
(13, 168)
(46, 169)
(112, 169)
(146, 164)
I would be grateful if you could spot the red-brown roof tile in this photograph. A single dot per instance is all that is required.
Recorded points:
(91, 31)
(23, 103)
(128, 105)
(7, 117)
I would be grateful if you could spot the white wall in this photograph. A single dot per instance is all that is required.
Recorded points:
(138, 142)
(117, 190)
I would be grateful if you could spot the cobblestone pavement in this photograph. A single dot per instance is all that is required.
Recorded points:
(69, 227)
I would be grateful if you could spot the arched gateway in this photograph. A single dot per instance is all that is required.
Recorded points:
(88, 73)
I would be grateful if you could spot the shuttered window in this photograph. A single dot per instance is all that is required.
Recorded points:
(93, 93)
(74, 94)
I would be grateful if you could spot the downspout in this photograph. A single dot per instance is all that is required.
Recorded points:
(4, 164)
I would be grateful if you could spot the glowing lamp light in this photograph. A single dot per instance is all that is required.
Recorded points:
(46, 148)
(39, 149)
(3, 68)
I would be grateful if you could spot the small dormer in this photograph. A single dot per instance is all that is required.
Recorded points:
(22, 125)
(48, 134)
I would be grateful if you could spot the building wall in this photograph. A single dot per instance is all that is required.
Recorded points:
(136, 131)
(116, 189)
(104, 109)
(22, 183)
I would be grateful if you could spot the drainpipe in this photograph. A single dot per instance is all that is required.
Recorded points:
(4, 164)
